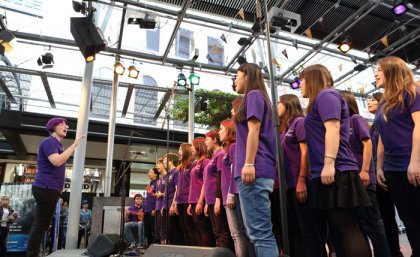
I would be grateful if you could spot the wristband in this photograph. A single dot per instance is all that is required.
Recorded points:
(249, 164)
(329, 156)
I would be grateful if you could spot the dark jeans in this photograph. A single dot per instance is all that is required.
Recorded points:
(304, 236)
(407, 200)
(158, 223)
(83, 233)
(372, 226)
(46, 200)
(203, 228)
(187, 225)
(3, 240)
(149, 223)
(172, 233)
(275, 215)
(221, 228)
(387, 209)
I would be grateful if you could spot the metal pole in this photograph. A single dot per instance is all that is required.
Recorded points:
(191, 112)
(79, 159)
(280, 173)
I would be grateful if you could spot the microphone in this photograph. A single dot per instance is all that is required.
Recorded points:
(138, 152)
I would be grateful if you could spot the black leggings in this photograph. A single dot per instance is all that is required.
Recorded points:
(345, 233)
(46, 200)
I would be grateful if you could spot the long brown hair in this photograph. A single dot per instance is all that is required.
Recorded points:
(398, 79)
(351, 102)
(200, 147)
(293, 109)
(186, 160)
(317, 77)
(255, 81)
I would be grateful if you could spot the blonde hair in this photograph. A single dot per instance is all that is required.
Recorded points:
(398, 79)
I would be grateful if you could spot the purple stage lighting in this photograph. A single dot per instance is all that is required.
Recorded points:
(295, 84)
(399, 8)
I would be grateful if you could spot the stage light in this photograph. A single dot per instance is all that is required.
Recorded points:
(7, 40)
(88, 38)
(295, 84)
(400, 7)
(243, 41)
(133, 72)
(47, 60)
(194, 79)
(182, 80)
(345, 45)
(119, 68)
(242, 60)
(80, 7)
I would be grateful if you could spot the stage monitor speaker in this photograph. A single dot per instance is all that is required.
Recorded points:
(156, 250)
(104, 245)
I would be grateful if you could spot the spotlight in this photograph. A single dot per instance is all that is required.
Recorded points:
(80, 7)
(144, 23)
(133, 72)
(47, 59)
(243, 41)
(88, 38)
(400, 7)
(7, 40)
(295, 84)
(182, 80)
(345, 45)
(119, 68)
(194, 79)
(242, 60)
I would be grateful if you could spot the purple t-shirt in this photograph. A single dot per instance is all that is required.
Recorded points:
(359, 131)
(183, 186)
(293, 136)
(196, 181)
(173, 181)
(228, 183)
(49, 176)
(265, 161)
(397, 133)
(210, 176)
(150, 202)
(135, 209)
(329, 104)
(160, 185)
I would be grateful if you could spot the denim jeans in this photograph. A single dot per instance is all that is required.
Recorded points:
(243, 247)
(255, 207)
(372, 225)
(128, 231)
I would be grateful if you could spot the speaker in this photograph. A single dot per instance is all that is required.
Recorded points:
(104, 245)
(156, 250)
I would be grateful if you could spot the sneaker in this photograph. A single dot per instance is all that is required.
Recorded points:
(132, 246)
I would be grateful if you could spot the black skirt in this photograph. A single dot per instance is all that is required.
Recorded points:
(347, 191)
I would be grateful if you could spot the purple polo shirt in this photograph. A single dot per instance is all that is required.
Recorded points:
(397, 133)
(329, 104)
(196, 180)
(228, 183)
(173, 180)
(135, 209)
(265, 161)
(359, 131)
(160, 185)
(210, 176)
(293, 136)
(183, 186)
(49, 176)
(150, 202)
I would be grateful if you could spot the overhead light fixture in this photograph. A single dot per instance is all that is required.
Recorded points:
(295, 84)
(87, 36)
(243, 41)
(283, 19)
(242, 60)
(7, 40)
(345, 45)
(119, 68)
(80, 7)
(194, 79)
(144, 23)
(400, 7)
(182, 80)
(133, 72)
(46, 60)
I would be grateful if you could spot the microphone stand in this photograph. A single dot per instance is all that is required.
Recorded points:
(123, 178)
(167, 153)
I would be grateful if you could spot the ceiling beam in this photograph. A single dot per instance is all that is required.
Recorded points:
(127, 100)
(181, 16)
(7, 91)
(15, 142)
(165, 99)
(47, 88)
